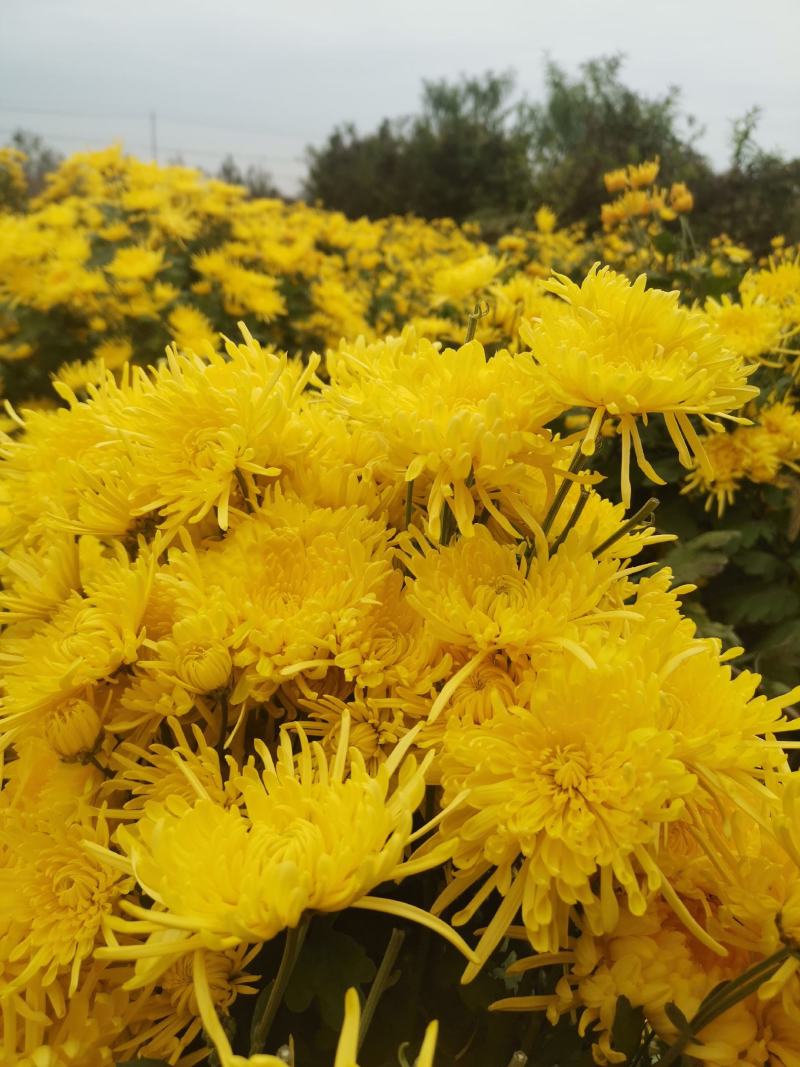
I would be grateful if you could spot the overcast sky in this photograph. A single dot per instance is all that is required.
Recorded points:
(264, 78)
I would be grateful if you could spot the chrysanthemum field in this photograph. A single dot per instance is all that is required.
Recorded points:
(359, 704)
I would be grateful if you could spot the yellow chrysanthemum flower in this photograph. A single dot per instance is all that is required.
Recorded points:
(191, 329)
(562, 803)
(480, 595)
(220, 877)
(55, 897)
(629, 351)
(467, 279)
(209, 430)
(778, 284)
(455, 429)
(643, 174)
(752, 328)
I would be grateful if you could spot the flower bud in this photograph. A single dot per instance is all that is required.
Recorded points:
(73, 730)
(205, 667)
(681, 200)
(616, 181)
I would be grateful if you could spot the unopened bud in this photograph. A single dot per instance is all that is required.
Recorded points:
(73, 730)
(205, 668)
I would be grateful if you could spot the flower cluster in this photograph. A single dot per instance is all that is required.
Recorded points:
(117, 258)
(289, 637)
(639, 198)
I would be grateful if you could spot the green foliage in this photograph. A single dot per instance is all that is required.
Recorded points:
(594, 123)
(703, 557)
(255, 179)
(146, 1062)
(478, 150)
(756, 198)
(40, 158)
(329, 964)
(465, 152)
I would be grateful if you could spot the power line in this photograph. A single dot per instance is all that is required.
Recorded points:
(140, 116)
(259, 157)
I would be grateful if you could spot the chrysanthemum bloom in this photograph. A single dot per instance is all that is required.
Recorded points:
(680, 198)
(779, 285)
(752, 328)
(59, 663)
(221, 877)
(166, 1020)
(54, 899)
(755, 453)
(480, 596)
(84, 1029)
(38, 578)
(642, 174)
(721, 477)
(395, 649)
(465, 280)
(297, 586)
(616, 180)
(452, 429)
(782, 421)
(160, 771)
(628, 351)
(205, 431)
(377, 724)
(654, 962)
(563, 804)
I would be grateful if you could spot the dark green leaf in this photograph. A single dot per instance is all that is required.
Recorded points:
(145, 1062)
(258, 1009)
(754, 561)
(677, 1018)
(703, 557)
(626, 1033)
(329, 964)
(755, 530)
(769, 604)
(707, 627)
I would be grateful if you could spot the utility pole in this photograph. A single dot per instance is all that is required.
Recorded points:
(153, 137)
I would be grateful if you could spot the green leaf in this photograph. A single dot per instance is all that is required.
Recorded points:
(626, 1033)
(665, 242)
(756, 530)
(329, 964)
(708, 627)
(145, 1062)
(765, 605)
(677, 1018)
(756, 562)
(258, 1009)
(703, 557)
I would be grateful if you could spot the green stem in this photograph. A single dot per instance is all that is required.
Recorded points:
(409, 503)
(742, 988)
(644, 513)
(577, 511)
(472, 322)
(95, 762)
(687, 231)
(380, 982)
(747, 983)
(223, 729)
(578, 461)
(448, 527)
(244, 490)
(293, 945)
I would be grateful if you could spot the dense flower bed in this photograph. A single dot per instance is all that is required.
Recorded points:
(304, 654)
